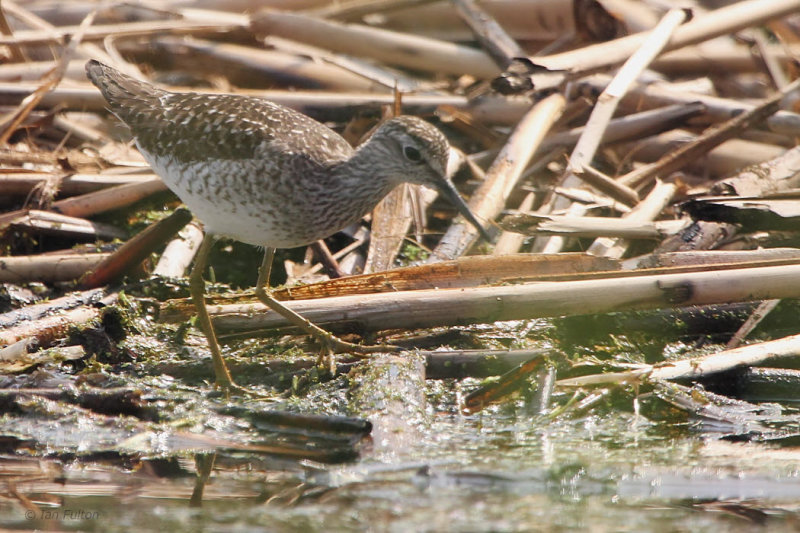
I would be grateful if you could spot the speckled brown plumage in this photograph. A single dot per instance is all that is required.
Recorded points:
(265, 174)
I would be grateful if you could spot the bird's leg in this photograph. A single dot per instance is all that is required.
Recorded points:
(197, 287)
(332, 343)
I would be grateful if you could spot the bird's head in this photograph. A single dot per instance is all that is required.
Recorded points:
(420, 155)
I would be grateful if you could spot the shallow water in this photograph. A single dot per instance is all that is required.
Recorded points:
(502, 470)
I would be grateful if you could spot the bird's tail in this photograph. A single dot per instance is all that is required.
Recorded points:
(128, 98)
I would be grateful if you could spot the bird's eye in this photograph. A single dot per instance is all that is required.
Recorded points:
(412, 154)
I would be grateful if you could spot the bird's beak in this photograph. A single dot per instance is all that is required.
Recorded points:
(446, 188)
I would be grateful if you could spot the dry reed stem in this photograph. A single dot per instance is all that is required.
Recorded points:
(46, 330)
(729, 157)
(47, 268)
(108, 199)
(471, 271)
(413, 52)
(511, 242)
(429, 308)
(717, 109)
(608, 186)
(633, 126)
(180, 252)
(750, 355)
(356, 9)
(379, 77)
(57, 34)
(574, 226)
(771, 61)
(16, 52)
(699, 259)
(500, 46)
(34, 312)
(21, 183)
(9, 124)
(708, 140)
(80, 48)
(391, 219)
(501, 178)
(133, 252)
(718, 22)
(584, 151)
(14, 363)
(769, 177)
(316, 71)
(607, 102)
(66, 226)
(764, 308)
(647, 210)
(543, 20)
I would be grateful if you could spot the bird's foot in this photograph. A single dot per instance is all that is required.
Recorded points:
(331, 345)
(229, 388)
(337, 345)
(326, 360)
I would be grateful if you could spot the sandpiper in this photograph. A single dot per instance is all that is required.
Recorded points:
(266, 175)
